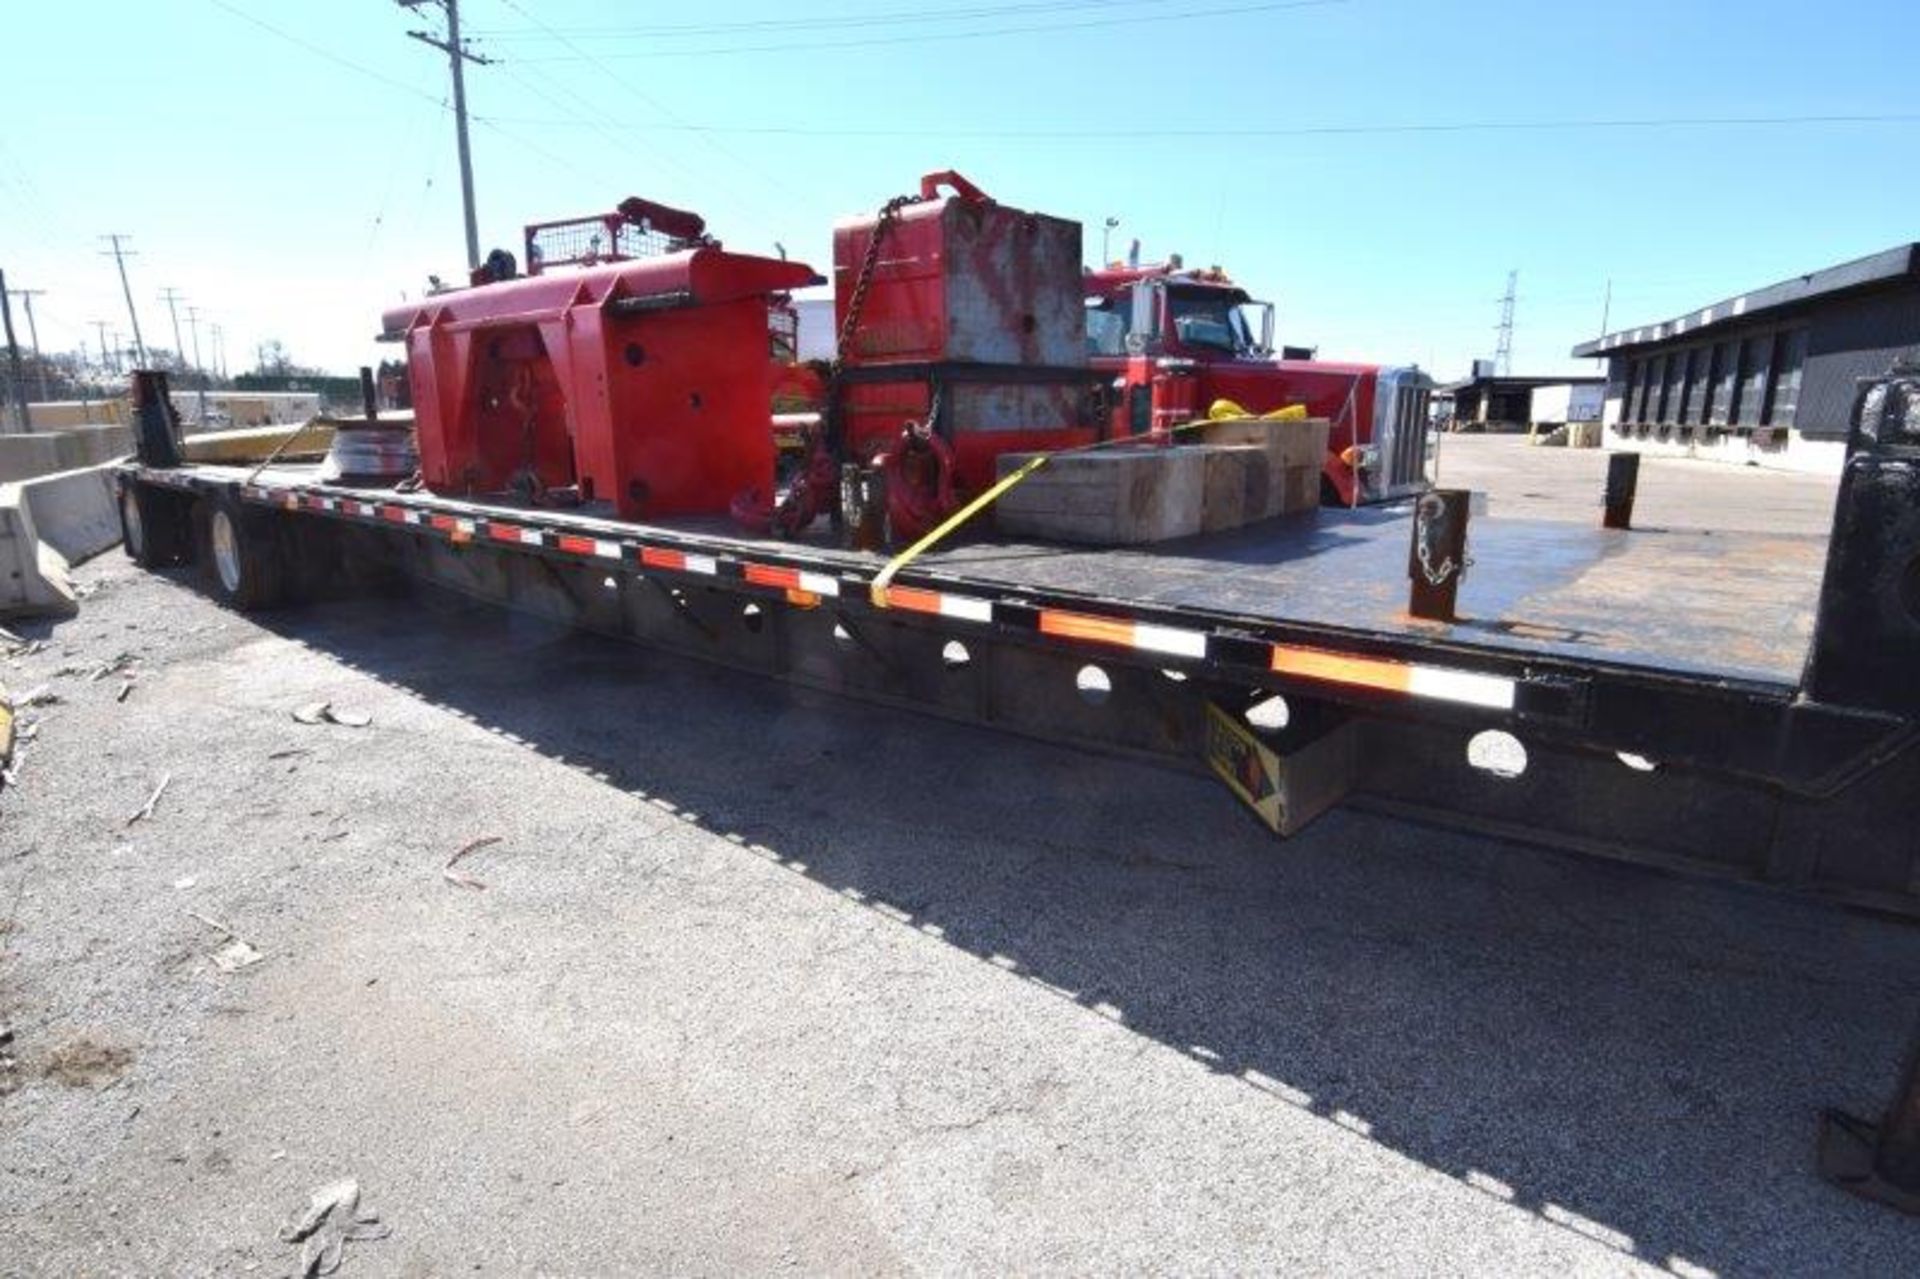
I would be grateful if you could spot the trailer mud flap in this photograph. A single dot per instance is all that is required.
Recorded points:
(1287, 783)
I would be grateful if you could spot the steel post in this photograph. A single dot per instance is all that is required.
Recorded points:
(1438, 556)
(1623, 483)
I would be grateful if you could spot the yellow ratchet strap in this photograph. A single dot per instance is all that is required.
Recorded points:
(952, 522)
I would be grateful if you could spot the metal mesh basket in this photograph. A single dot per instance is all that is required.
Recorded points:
(590, 241)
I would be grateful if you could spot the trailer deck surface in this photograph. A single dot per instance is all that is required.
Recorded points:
(1720, 605)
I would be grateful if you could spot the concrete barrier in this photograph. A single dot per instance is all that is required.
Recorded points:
(47, 524)
(23, 457)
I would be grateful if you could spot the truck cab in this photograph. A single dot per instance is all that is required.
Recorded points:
(1178, 339)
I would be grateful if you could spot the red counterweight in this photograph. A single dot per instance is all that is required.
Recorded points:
(644, 382)
(978, 301)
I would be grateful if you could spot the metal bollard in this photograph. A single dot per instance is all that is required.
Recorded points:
(1879, 1163)
(1623, 482)
(1438, 557)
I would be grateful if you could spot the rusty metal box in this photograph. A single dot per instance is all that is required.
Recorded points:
(961, 278)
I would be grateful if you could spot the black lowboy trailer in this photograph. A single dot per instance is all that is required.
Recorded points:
(1736, 705)
(1703, 702)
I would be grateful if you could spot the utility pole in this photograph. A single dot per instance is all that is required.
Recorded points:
(33, 335)
(193, 327)
(171, 296)
(13, 358)
(457, 55)
(1503, 353)
(101, 326)
(120, 256)
(219, 351)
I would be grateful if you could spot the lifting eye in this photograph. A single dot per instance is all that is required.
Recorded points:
(634, 355)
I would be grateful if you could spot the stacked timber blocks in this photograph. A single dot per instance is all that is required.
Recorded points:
(1244, 471)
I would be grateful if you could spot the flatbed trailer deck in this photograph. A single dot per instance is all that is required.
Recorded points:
(1653, 679)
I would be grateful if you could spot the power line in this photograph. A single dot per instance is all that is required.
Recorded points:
(840, 22)
(660, 108)
(990, 33)
(1293, 131)
(320, 52)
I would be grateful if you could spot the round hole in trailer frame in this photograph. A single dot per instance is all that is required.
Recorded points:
(954, 655)
(1497, 753)
(1094, 685)
(1269, 714)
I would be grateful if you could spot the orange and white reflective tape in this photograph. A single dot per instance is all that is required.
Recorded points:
(790, 579)
(912, 599)
(1121, 633)
(1443, 683)
(678, 561)
(599, 547)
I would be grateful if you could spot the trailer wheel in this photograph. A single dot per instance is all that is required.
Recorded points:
(241, 556)
(151, 528)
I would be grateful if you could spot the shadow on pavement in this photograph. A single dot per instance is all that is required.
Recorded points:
(1637, 1058)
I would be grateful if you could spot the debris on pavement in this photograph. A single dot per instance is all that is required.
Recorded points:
(39, 696)
(460, 877)
(238, 953)
(324, 713)
(118, 664)
(146, 809)
(126, 687)
(332, 1218)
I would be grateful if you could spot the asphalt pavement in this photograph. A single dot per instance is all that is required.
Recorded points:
(753, 981)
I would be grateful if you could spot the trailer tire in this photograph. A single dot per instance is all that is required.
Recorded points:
(153, 530)
(240, 555)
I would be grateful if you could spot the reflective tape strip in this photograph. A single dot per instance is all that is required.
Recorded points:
(574, 544)
(1462, 686)
(911, 599)
(1438, 682)
(396, 514)
(790, 579)
(1122, 633)
(363, 508)
(503, 532)
(678, 561)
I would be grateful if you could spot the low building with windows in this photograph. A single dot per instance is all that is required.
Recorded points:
(1766, 377)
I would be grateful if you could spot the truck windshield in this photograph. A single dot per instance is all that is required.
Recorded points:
(1209, 317)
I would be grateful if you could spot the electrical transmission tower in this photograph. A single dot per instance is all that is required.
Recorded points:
(1503, 352)
(457, 55)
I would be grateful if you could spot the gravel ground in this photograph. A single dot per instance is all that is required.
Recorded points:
(764, 982)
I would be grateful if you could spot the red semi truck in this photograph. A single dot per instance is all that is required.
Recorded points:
(1178, 339)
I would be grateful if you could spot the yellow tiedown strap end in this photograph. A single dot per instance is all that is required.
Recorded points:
(952, 522)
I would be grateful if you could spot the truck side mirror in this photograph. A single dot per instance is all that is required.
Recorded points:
(1266, 328)
(1144, 325)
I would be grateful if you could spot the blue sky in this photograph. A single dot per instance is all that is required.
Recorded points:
(292, 182)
